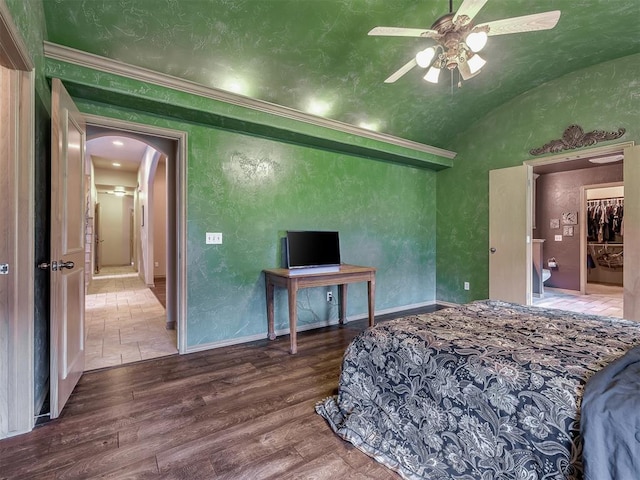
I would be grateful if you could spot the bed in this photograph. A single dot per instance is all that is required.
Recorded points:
(487, 390)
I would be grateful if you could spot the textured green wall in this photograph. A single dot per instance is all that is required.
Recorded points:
(253, 189)
(604, 97)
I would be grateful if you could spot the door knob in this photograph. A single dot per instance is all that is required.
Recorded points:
(492, 249)
(45, 266)
(68, 265)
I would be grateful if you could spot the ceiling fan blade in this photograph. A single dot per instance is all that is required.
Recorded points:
(527, 23)
(401, 71)
(469, 8)
(402, 32)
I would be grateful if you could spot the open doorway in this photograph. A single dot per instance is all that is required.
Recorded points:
(603, 270)
(569, 276)
(127, 257)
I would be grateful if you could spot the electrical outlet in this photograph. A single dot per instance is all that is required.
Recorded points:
(466, 285)
(213, 238)
(329, 296)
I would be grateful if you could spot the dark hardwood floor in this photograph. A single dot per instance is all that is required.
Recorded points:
(159, 289)
(239, 412)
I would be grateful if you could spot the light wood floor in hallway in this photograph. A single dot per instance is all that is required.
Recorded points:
(125, 321)
(600, 299)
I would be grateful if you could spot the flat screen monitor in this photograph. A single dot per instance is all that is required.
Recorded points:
(308, 249)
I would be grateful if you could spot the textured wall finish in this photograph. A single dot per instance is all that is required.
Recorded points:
(253, 190)
(604, 97)
(316, 52)
(558, 193)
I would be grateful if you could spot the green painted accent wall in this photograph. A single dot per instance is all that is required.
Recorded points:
(253, 189)
(603, 97)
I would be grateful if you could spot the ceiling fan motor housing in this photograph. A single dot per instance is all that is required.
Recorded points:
(452, 40)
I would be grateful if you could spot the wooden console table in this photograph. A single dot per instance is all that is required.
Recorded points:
(282, 277)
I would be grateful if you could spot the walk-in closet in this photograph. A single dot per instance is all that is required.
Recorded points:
(605, 236)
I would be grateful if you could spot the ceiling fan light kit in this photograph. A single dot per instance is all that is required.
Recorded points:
(424, 57)
(458, 39)
(476, 40)
(475, 62)
(432, 75)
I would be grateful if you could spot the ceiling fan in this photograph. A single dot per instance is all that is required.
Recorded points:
(459, 40)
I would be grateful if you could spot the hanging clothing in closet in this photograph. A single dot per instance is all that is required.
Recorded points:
(605, 220)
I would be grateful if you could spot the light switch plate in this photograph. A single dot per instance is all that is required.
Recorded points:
(558, 238)
(213, 238)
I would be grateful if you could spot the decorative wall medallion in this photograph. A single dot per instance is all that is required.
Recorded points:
(567, 231)
(575, 137)
(554, 223)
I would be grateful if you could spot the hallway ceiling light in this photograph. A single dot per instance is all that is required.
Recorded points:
(115, 164)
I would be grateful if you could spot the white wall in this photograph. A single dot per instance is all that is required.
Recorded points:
(605, 192)
(146, 201)
(105, 176)
(115, 231)
(160, 219)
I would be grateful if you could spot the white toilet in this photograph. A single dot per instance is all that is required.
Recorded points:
(546, 275)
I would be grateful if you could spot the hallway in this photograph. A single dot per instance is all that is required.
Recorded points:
(125, 322)
(600, 299)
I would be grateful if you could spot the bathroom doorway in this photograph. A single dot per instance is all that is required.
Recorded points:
(562, 188)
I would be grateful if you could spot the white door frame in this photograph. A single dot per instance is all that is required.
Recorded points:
(16, 210)
(177, 307)
(617, 148)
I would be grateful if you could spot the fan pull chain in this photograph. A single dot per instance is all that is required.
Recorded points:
(451, 82)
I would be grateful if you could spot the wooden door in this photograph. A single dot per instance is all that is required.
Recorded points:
(67, 247)
(631, 270)
(510, 267)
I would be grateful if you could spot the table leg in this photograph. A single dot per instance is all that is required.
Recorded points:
(270, 323)
(342, 301)
(293, 314)
(371, 290)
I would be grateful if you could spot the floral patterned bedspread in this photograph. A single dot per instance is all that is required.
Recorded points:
(487, 390)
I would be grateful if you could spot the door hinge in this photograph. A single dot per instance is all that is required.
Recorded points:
(4, 269)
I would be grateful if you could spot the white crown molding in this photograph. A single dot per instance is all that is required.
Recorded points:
(115, 67)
